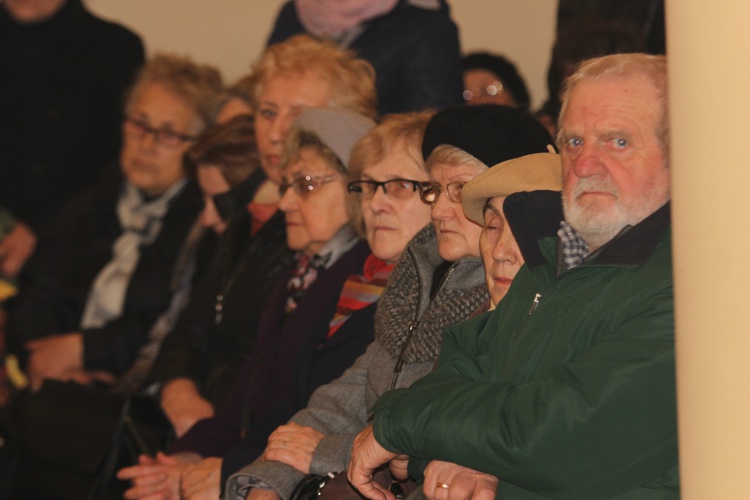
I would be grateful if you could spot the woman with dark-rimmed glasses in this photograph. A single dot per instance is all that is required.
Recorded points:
(102, 276)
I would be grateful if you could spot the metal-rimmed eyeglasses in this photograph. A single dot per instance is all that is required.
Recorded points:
(397, 188)
(432, 191)
(138, 129)
(303, 186)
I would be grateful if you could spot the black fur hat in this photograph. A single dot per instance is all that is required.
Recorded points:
(489, 132)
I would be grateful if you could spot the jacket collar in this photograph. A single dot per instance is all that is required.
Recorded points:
(536, 215)
(533, 216)
(635, 245)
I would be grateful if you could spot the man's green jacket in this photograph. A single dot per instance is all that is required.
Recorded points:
(567, 389)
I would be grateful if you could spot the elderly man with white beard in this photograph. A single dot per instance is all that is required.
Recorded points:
(566, 389)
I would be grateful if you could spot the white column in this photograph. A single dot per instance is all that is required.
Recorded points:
(708, 42)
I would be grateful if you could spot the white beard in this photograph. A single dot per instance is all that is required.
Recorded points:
(598, 224)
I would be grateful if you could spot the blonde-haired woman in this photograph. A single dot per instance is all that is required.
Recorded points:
(198, 364)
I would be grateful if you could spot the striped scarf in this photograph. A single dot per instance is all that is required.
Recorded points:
(360, 291)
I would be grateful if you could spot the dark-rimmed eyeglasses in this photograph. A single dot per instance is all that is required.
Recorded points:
(138, 129)
(307, 184)
(397, 188)
(432, 191)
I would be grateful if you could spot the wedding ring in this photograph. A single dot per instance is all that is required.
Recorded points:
(443, 485)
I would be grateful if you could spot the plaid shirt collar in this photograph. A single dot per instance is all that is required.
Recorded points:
(574, 249)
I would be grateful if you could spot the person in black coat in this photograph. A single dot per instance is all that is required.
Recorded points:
(217, 329)
(414, 49)
(95, 286)
(65, 73)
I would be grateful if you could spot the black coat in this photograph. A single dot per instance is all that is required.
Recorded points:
(61, 97)
(415, 53)
(292, 360)
(56, 281)
(243, 270)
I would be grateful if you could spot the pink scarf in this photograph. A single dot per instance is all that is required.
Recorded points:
(333, 18)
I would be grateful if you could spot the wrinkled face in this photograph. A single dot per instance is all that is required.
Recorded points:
(500, 253)
(283, 97)
(484, 87)
(33, 11)
(315, 216)
(457, 236)
(614, 170)
(391, 222)
(212, 182)
(149, 164)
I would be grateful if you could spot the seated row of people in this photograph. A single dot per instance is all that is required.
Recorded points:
(440, 282)
(286, 303)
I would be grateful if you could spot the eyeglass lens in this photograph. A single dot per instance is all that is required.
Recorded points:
(304, 185)
(139, 129)
(397, 188)
(432, 192)
(492, 89)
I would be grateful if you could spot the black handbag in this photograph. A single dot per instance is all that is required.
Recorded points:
(310, 486)
(335, 486)
(71, 439)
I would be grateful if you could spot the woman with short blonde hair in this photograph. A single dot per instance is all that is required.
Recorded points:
(352, 80)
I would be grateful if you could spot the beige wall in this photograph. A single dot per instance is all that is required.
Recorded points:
(709, 78)
(231, 33)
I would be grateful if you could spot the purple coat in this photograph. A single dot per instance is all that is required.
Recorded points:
(291, 360)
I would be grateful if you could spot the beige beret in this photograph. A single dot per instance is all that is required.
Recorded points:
(527, 173)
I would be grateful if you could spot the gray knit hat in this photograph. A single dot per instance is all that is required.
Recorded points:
(338, 129)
